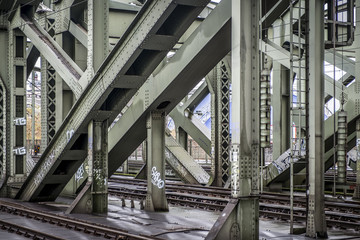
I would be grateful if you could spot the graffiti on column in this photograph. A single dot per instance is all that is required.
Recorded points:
(235, 188)
(79, 173)
(20, 151)
(155, 178)
(69, 134)
(20, 121)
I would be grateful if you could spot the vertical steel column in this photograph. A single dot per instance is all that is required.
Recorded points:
(98, 33)
(221, 125)
(59, 82)
(126, 166)
(48, 93)
(280, 98)
(357, 101)
(98, 155)
(34, 77)
(211, 84)
(299, 88)
(48, 103)
(4, 107)
(17, 85)
(156, 198)
(64, 96)
(245, 116)
(98, 36)
(144, 158)
(280, 102)
(316, 224)
(191, 148)
(97, 50)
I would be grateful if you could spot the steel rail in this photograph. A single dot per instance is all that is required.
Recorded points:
(340, 213)
(26, 232)
(71, 223)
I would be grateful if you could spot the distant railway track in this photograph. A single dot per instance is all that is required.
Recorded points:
(339, 212)
(218, 192)
(135, 165)
(350, 177)
(90, 228)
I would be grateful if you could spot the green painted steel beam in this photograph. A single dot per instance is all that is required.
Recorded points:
(127, 59)
(274, 13)
(79, 33)
(54, 54)
(183, 164)
(210, 41)
(196, 98)
(120, 6)
(32, 56)
(194, 127)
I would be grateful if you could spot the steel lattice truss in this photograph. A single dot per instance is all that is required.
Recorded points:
(223, 107)
(49, 103)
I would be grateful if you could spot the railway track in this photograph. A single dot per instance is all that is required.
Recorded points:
(90, 228)
(26, 232)
(339, 212)
(341, 205)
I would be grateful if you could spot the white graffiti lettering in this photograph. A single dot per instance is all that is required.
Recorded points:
(155, 178)
(20, 121)
(69, 134)
(79, 173)
(20, 151)
(98, 175)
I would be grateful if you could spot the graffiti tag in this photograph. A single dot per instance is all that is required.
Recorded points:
(79, 173)
(155, 178)
(20, 151)
(20, 121)
(69, 134)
